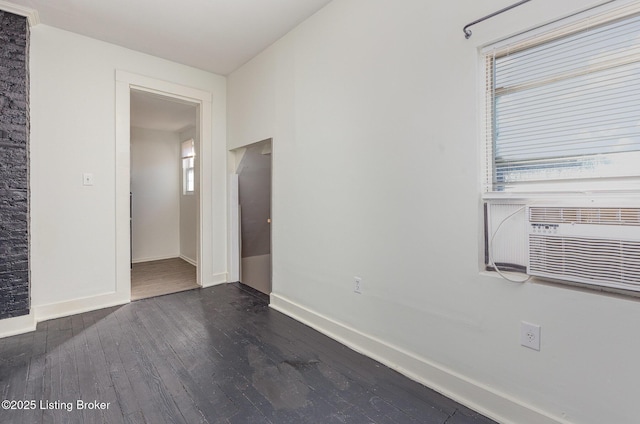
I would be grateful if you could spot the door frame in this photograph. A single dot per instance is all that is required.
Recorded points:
(125, 82)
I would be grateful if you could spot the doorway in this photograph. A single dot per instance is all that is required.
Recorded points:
(164, 193)
(210, 262)
(253, 174)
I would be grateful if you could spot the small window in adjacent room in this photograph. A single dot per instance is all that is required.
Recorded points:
(188, 167)
(563, 106)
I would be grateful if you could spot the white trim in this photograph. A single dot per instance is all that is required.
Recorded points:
(31, 14)
(189, 260)
(216, 279)
(123, 175)
(78, 306)
(17, 325)
(488, 401)
(613, 198)
(125, 81)
(234, 228)
(39, 313)
(154, 258)
(164, 88)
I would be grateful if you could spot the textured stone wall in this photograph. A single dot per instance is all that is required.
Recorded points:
(14, 165)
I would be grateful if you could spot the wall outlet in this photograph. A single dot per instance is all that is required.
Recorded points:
(530, 335)
(357, 285)
(87, 179)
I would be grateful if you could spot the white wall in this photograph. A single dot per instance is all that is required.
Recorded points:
(73, 131)
(155, 184)
(373, 110)
(188, 209)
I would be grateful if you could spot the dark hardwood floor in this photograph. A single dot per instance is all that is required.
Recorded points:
(215, 355)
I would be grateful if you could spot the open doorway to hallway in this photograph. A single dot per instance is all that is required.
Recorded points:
(165, 194)
(253, 171)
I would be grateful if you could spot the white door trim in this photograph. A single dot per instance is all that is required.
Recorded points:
(125, 81)
(234, 229)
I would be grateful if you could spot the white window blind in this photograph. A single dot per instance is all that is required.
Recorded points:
(563, 107)
(188, 149)
(188, 166)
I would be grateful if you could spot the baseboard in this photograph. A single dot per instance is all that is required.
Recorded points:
(26, 323)
(17, 325)
(154, 258)
(215, 280)
(473, 394)
(78, 306)
(189, 260)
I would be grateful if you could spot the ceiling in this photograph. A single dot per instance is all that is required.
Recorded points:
(156, 112)
(214, 35)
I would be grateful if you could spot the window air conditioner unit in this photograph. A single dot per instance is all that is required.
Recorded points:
(591, 245)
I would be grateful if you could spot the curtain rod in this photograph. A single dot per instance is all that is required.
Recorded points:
(467, 32)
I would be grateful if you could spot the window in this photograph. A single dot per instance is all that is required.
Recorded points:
(188, 167)
(563, 107)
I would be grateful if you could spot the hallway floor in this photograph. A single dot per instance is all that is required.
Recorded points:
(157, 278)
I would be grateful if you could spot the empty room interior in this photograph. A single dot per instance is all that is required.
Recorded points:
(320, 211)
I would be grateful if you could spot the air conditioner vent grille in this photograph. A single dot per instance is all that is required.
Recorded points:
(605, 262)
(585, 215)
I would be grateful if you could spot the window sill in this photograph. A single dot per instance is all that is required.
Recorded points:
(619, 198)
(567, 285)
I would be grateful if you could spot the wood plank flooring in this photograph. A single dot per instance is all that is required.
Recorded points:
(157, 278)
(215, 355)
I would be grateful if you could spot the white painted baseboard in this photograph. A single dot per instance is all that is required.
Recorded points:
(473, 394)
(215, 280)
(187, 259)
(155, 258)
(77, 306)
(17, 325)
(27, 323)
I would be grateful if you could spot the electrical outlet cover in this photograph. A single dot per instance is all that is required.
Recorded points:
(357, 287)
(530, 335)
(87, 179)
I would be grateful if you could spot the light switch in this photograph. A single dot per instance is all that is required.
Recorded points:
(87, 179)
